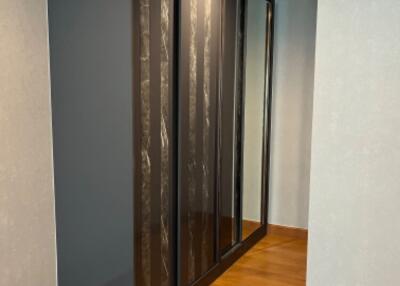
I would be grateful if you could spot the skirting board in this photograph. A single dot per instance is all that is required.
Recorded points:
(294, 232)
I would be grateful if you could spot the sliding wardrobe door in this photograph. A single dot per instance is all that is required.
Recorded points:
(154, 142)
(189, 99)
(198, 96)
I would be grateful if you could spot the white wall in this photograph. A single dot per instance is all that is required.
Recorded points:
(27, 227)
(355, 168)
(292, 111)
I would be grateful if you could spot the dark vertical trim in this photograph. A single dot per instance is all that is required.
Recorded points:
(214, 141)
(184, 30)
(199, 138)
(239, 134)
(267, 115)
(236, 127)
(267, 169)
(245, 18)
(138, 274)
(214, 138)
(218, 126)
(135, 94)
(176, 190)
(175, 158)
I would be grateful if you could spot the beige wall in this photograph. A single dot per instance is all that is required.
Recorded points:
(355, 162)
(293, 80)
(27, 226)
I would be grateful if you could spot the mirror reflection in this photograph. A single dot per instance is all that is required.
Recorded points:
(257, 38)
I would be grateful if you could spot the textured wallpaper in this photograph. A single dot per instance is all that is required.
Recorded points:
(27, 223)
(355, 161)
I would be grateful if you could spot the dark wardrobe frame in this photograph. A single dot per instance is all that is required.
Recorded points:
(225, 261)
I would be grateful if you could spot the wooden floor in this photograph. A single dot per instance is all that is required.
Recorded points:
(249, 227)
(274, 261)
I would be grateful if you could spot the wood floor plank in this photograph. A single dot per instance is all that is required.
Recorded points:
(274, 261)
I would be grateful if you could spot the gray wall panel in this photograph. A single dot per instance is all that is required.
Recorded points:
(91, 71)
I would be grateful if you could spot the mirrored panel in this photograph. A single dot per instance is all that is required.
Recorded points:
(255, 102)
(229, 219)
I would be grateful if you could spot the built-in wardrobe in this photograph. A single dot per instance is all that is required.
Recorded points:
(202, 117)
(161, 122)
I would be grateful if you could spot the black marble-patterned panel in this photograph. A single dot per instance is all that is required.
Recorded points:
(206, 192)
(192, 162)
(153, 100)
(198, 107)
(165, 145)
